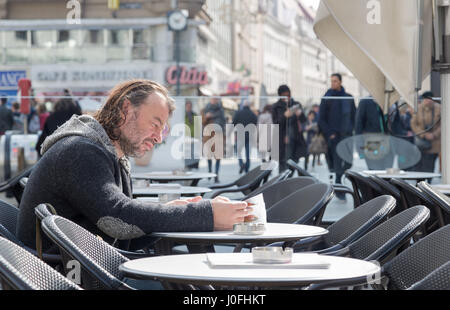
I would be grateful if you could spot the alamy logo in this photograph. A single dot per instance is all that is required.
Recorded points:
(74, 15)
(374, 14)
(74, 271)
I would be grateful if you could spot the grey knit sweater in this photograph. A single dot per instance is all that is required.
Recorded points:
(82, 177)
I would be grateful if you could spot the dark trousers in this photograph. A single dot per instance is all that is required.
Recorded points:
(245, 165)
(334, 161)
(282, 155)
(426, 163)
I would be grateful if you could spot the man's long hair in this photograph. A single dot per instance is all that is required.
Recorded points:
(136, 91)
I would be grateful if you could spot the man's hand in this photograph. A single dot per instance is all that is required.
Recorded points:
(332, 136)
(286, 140)
(226, 213)
(429, 136)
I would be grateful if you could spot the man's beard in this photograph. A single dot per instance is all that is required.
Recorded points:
(129, 148)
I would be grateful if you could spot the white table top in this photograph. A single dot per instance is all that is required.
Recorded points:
(194, 268)
(408, 175)
(183, 190)
(274, 232)
(169, 176)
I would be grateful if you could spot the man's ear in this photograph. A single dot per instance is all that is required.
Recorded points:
(125, 108)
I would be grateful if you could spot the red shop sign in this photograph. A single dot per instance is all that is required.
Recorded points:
(187, 76)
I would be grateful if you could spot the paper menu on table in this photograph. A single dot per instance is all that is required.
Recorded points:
(259, 208)
(235, 261)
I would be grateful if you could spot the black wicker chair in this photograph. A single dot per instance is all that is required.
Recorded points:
(8, 222)
(13, 184)
(418, 261)
(281, 177)
(305, 206)
(413, 196)
(281, 190)
(21, 270)
(247, 183)
(338, 188)
(349, 228)
(363, 187)
(437, 280)
(382, 242)
(99, 261)
(389, 189)
(440, 200)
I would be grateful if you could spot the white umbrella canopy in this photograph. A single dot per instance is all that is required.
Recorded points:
(379, 51)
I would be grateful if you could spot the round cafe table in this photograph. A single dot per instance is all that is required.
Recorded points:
(275, 232)
(195, 269)
(169, 176)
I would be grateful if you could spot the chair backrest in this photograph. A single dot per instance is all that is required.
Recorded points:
(293, 166)
(382, 241)
(281, 190)
(20, 270)
(363, 187)
(305, 206)
(437, 280)
(358, 222)
(281, 177)
(13, 184)
(8, 221)
(440, 200)
(419, 260)
(411, 195)
(386, 187)
(99, 261)
(255, 177)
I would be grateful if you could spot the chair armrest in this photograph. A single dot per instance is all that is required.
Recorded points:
(231, 190)
(303, 243)
(339, 252)
(217, 186)
(135, 255)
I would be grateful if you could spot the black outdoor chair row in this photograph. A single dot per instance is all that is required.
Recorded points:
(406, 194)
(16, 184)
(417, 267)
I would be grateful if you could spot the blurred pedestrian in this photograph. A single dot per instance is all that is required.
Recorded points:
(189, 120)
(213, 114)
(43, 114)
(6, 117)
(265, 120)
(245, 117)
(297, 147)
(312, 129)
(281, 112)
(63, 111)
(336, 122)
(18, 118)
(426, 125)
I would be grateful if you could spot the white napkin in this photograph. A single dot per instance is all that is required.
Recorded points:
(236, 261)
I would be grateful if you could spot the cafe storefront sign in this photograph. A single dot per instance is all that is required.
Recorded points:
(187, 76)
(89, 76)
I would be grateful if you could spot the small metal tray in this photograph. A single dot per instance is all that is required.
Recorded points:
(272, 255)
(249, 229)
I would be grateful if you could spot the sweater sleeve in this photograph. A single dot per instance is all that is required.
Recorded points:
(85, 173)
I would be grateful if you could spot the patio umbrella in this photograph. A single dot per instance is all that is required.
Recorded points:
(377, 41)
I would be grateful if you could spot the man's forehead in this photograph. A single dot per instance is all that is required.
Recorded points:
(155, 106)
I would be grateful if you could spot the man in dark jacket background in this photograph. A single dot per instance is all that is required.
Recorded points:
(245, 117)
(280, 115)
(370, 120)
(336, 121)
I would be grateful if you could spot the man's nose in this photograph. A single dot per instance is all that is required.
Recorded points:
(158, 136)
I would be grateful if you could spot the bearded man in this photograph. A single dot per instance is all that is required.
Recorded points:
(84, 173)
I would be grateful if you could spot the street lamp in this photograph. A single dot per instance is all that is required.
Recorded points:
(177, 21)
